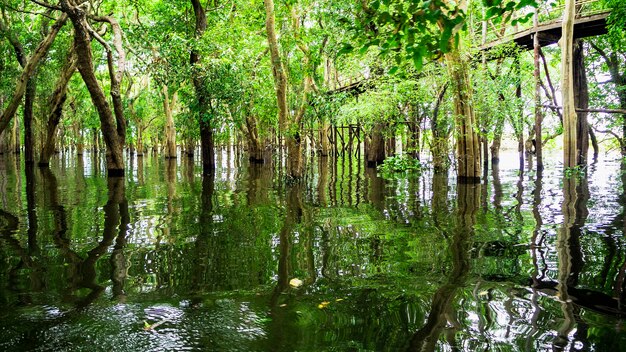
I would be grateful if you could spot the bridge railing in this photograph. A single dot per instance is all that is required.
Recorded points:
(548, 12)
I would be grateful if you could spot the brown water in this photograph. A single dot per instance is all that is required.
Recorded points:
(168, 260)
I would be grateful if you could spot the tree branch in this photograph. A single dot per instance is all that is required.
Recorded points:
(48, 6)
(604, 111)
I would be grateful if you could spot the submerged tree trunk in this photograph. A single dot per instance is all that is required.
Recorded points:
(113, 127)
(467, 141)
(29, 140)
(581, 101)
(324, 143)
(497, 140)
(207, 147)
(170, 129)
(55, 106)
(375, 146)
(255, 147)
(570, 153)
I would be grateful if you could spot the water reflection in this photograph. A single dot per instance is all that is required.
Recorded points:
(526, 261)
(442, 314)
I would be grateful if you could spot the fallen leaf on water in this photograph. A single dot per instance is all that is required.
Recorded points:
(295, 282)
(283, 305)
(339, 300)
(148, 327)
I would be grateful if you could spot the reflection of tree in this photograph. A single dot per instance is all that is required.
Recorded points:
(375, 191)
(442, 310)
(116, 211)
(9, 225)
(565, 261)
(82, 272)
(293, 217)
(203, 241)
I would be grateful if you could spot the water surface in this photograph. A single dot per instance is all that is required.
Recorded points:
(168, 260)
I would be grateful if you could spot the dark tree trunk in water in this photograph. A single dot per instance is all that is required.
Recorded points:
(29, 100)
(207, 147)
(375, 146)
(581, 100)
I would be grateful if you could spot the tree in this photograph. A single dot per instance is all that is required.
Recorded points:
(567, 87)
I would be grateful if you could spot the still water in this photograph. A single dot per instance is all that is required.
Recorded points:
(166, 260)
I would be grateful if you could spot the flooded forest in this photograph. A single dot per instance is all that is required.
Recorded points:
(312, 175)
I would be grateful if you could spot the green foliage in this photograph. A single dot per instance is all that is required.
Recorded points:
(402, 164)
(617, 23)
(415, 31)
(578, 172)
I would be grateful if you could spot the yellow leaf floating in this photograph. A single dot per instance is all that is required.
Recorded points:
(295, 282)
(323, 305)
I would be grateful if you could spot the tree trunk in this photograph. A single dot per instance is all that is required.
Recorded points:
(538, 107)
(55, 106)
(170, 129)
(28, 72)
(324, 142)
(255, 147)
(15, 137)
(375, 149)
(413, 143)
(439, 144)
(467, 141)
(29, 100)
(581, 101)
(497, 140)
(140, 129)
(570, 153)
(468, 152)
(112, 131)
(207, 148)
(290, 129)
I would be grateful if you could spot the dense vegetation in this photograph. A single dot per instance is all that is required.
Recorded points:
(307, 75)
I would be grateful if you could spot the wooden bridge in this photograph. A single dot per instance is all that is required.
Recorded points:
(590, 21)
